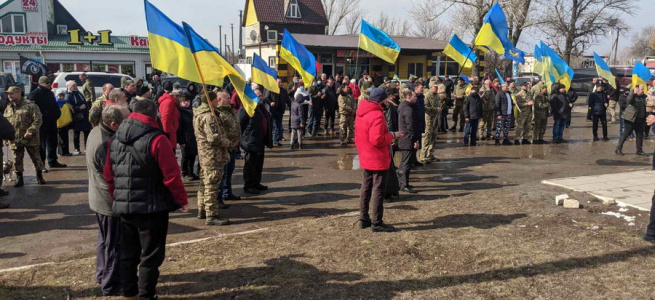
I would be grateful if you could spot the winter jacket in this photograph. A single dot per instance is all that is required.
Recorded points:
(372, 137)
(330, 100)
(80, 115)
(170, 117)
(501, 104)
(45, 100)
(391, 114)
(420, 110)
(143, 189)
(639, 102)
(346, 105)
(280, 100)
(256, 131)
(185, 133)
(597, 102)
(236, 102)
(355, 90)
(96, 156)
(473, 107)
(408, 124)
(296, 114)
(559, 106)
(189, 94)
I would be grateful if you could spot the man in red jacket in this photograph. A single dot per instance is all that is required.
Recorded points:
(373, 141)
(170, 114)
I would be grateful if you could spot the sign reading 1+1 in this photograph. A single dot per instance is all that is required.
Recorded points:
(103, 38)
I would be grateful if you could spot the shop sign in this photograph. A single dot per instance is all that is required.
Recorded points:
(29, 5)
(30, 38)
(353, 53)
(102, 39)
(139, 41)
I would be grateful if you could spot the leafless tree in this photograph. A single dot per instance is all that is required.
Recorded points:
(392, 25)
(432, 30)
(574, 25)
(338, 12)
(352, 23)
(643, 43)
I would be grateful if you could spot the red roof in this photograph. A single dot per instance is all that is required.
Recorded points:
(273, 12)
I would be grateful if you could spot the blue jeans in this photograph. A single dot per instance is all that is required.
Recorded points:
(471, 131)
(277, 127)
(558, 129)
(228, 170)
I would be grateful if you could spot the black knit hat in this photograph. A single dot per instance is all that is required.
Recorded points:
(168, 86)
(143, 90)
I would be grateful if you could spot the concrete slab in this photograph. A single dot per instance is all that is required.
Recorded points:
(634, 189)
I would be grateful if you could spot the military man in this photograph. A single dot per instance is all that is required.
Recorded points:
(524, 121)
(346, 117)
(26, 119)
(232, 129)
(432, 111)
(95, 113)
(488, 120)
(213, 154)
(541, 106)
(88, 90)
(444, 98)
(535, 90)
(458, 112)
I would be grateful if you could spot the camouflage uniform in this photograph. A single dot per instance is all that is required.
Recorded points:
(26, 117)
(95, 113)
(458, 112)
(524, 120)
(88, 90)
(212, 154)
(488, 120)
(443, 116)
(231, 126)
(346, 118)
(432, 105)
(541, 106)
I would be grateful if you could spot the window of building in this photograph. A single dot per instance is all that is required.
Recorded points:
(13, 23)
(415, 69)
(294, 10)
(392, 68)
(99, 68)
(127, 69)
(82, 67)
(271, 61)
(271, 35)
(67, 67)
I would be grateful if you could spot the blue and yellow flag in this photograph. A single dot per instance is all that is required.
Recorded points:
(169, 47)
(298, 57)
(460, 52)
(378, 43)
(641, 75)
(494, 35)
(500, 78)
(537, 64)
(555, 68)
(604, 70)
(264, 75)
(212, 68)
(465, 78)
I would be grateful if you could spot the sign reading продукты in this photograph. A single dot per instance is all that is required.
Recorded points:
(30, 38)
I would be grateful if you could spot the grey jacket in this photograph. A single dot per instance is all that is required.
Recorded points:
(96, 153)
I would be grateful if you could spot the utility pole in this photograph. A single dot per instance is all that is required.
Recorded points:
(240, 31)
(232, 27)
(228, 57)
(615, 46)
(220, 40)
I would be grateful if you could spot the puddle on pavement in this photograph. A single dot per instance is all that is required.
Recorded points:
(347, 162)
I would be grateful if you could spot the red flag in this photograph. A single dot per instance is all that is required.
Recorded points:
(319, 68)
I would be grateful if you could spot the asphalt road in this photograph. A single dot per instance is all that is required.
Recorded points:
(54, 223)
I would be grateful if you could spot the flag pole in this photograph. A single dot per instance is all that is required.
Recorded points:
(202, 78)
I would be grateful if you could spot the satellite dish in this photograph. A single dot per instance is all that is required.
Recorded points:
(253, 35)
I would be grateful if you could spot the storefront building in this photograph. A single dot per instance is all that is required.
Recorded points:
(45, 31)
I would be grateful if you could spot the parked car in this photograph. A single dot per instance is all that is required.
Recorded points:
(7, 81)
(98, 78)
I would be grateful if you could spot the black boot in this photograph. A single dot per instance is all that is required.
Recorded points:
(19, 180)
(497, 142)
(39, 177)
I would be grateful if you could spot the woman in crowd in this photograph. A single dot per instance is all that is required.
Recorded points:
(80, 116)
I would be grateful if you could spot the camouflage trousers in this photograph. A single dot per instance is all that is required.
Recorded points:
(346, 128)
(540, 128)
(210, 180)
(487, 124)
(429, 138)
(524, 125)
(503, 125)
(18, 154)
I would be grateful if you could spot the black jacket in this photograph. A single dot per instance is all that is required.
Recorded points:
(185, 134)
(80, 115)
(473, 107)
(253, 138)
(559, 106)
(501, 103)
(45, 100)
(391, 115)
(7, 131)
(280, 101)
(639, 102)
(597, 103)
(330, 103)
(408, 123)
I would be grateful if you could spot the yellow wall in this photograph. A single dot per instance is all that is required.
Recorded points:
(251, 17)
(404, 62)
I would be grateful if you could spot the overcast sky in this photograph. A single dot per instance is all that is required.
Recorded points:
(126, 17)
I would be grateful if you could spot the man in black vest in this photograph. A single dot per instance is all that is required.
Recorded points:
(45, 100)
(256, 135)
(144, 180)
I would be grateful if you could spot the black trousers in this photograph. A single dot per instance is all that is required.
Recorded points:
(330, 115)
(63, 135)
(144, 246)
(603, 121)
(373, 188)
(405, 167)
(443, 124)
(650, 230)
(49, 141)
(188, 161)
(252, 169)
(76, 138)
(638, 127)
(108, 255)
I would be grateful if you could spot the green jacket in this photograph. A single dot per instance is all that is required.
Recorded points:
(210, 135)
(89, 91)
(26, 117)
(231, 126)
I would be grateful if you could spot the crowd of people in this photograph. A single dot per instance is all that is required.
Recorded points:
(131, 135)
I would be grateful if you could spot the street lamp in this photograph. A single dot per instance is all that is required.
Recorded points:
(260, 40)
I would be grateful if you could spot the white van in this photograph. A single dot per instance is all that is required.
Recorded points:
(98, 78)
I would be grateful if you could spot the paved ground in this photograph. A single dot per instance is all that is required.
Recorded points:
(631, 188)
(53, 222)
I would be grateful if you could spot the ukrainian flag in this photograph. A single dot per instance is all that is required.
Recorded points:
(537, 66)
(640, 75)
(556, 68)
(264, 75)
(604, 70)
(493, 33)
(378, 43)
(460, 52)
(298, 57)
(212, 68)
(169, 48)
(500, 78)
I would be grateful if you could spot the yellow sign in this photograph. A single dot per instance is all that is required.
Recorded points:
(103, 38)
